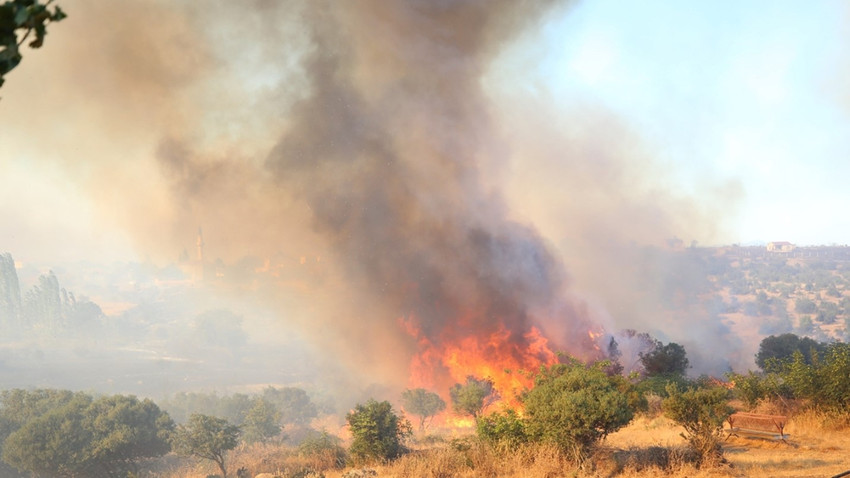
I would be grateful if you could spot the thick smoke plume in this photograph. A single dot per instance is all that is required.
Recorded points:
(375, 138)
(389, 150)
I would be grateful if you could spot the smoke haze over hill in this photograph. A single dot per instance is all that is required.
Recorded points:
(404, 152)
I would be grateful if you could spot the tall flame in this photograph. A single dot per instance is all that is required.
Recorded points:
(502, 356)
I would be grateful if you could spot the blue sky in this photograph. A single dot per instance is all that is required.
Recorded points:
(753, 92)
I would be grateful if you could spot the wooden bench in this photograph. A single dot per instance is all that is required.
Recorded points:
(757, 426)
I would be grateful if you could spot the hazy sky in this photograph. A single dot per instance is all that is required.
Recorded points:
(743, 103)
(753, 92)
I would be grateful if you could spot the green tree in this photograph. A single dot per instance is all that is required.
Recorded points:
(324, 447)
(52, 444)
(670, 359)
(378, 433)
(805, 326)
(293, 403)
(261, 422)
(87, 437)
(804, 305)
(472, 397)
(124, 430)
(776, 349)
(43, 304)
(825, 380)
(423, 403)
(506, 430)
(206, 437)
(24, 16)
(701, 412)
(574, 406)
(827, 313)
(10, 292)
(754, 387)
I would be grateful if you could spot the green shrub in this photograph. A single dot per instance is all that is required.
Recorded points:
(825, 381)
(670, 359)
(574, 406)
(378, 433)
(502, 429)
(472, 397)
(755, 387)
(701, 412)
(657, 385)
(325, 447)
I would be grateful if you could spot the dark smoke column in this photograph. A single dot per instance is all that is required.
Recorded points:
(391, 149)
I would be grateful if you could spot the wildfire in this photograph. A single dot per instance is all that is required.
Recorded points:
(502, 356)
(594, 337)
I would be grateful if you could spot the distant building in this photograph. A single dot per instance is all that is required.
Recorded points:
(780, 246)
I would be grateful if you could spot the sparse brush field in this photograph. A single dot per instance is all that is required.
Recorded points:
(647, 447)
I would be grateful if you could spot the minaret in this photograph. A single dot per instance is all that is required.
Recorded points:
(199, 267)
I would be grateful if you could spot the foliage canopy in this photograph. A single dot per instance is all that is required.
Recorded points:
(701, 412)
(378, 433)
(574, 406)
(472, 397)
(73, 434)
(670, 359)
(422, 403)
(777, 349)
(25, 16)
(206, 437)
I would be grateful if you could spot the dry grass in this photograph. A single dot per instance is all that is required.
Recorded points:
(648, 447)
(255, 458)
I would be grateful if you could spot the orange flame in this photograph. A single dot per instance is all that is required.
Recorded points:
(502, 356)
(594, 338)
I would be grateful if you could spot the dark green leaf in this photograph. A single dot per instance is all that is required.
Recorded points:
(22, 16)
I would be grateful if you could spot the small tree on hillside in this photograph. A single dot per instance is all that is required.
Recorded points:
(423, 403)
(293, 403)
(701, 412)
(261, 422)
(669, 359)
(574, 406)
(472, 397)
(378, 433)
(206, 437)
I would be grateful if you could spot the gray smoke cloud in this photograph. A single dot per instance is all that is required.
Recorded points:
(363, 136)
(389, 151)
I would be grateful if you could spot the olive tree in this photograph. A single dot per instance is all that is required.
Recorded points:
(472, 397)
(206, 437)
(422, 403)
